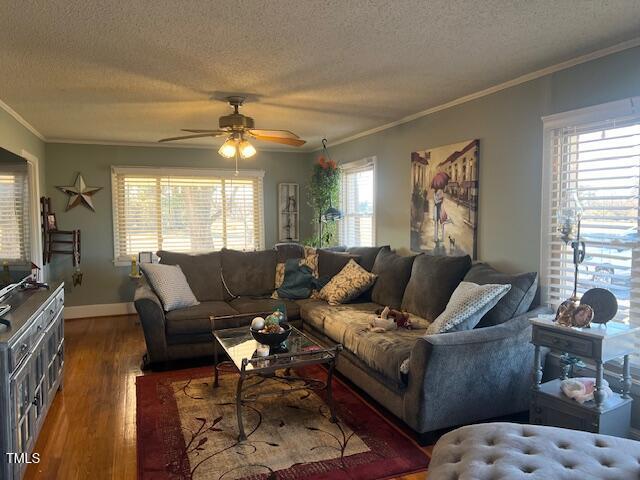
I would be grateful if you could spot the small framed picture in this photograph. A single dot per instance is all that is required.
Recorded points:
(145, 257)
(52, 223)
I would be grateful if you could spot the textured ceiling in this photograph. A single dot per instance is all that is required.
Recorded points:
(137, 71)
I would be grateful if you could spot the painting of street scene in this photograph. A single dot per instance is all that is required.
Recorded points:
(444, 199)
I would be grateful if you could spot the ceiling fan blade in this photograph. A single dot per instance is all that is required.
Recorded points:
(294, 142)
(273, 133)
(170, 139)
(212, 132)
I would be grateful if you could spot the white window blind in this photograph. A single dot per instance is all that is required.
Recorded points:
(357, 201)
(14, 212)
(186, 211)
(599, 161)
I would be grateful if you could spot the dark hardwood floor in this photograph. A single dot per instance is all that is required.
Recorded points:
(90, 431)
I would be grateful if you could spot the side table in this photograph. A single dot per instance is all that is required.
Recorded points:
(599, 344)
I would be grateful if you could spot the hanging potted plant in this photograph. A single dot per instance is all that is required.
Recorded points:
(323, 194)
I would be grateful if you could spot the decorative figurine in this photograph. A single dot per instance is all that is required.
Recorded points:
(572, 314)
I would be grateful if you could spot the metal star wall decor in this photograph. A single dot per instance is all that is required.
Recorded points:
(80, 193)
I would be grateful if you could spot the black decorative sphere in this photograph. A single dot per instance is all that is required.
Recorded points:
(603, 303)
(272, 339)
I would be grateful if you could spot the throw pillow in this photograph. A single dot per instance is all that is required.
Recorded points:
(298, 283)
(516, 302)
(433, 280)
(331, 263)
(468, 304)
(310, 259)
(348, 284)
(393, 273)
(170, 285)
(279, 274)
(203, 272)
(249, 273)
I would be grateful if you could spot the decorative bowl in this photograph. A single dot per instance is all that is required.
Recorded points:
(272, 339)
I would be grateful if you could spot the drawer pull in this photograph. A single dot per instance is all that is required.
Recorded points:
(39, 327)
(36, 399)
(23, 347)
(562, 343)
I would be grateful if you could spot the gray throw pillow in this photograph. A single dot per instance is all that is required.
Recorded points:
(468, 304)
(393, 273)
(331, 263)
(516, 302)
(367, 255)
(170, 285)
(249, 273)
(433, 280)
(203, 272)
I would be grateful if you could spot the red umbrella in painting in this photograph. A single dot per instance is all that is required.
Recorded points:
(440, 180)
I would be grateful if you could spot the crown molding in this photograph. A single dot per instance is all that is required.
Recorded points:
(21, 120)
(115, 143)
(496, 88)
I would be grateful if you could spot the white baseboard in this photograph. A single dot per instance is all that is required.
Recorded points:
(101, 310)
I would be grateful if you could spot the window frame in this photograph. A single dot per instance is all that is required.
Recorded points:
(598, 113)
(354, 165)
(181, 171)
(626, 109)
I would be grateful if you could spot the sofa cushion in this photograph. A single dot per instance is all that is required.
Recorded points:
(170, 284)
(331, 263)
(516, 302)
(249, 273)
(313, 311)
(197, 319)
(289, 250)
(433, 280)
(348, 284)
(393, 273)
(261, 305)
(203, 272)
(349, 325)
(468, 304)
(367, 255)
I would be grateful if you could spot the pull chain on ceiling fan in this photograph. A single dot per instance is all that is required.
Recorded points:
(237, 127)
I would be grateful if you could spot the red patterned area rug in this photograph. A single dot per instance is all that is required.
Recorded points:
(186, 429)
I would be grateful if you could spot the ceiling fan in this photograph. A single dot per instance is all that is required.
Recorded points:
(237, 128)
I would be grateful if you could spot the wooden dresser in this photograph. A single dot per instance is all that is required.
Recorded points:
(31, 371)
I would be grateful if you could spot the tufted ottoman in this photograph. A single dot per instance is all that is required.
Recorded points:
(510, 451)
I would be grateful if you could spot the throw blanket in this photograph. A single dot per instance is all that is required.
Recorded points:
(299, 281)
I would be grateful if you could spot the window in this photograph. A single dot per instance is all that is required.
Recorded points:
(185, 210)
(594, 154)
(15, 243)
(357, 201)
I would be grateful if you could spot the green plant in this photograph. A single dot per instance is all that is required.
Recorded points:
(323, 192)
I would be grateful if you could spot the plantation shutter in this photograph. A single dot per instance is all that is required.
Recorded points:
(14, 212)
(600, 162)
(186, 212)
(357, 227)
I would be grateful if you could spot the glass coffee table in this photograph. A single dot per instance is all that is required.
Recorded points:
(297, 351)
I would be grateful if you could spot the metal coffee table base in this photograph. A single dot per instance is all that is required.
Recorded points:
(307, 383)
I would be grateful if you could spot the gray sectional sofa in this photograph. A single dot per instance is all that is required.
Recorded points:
(430, 382)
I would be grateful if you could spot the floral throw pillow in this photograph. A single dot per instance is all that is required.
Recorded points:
(350, 283)
(467, 305)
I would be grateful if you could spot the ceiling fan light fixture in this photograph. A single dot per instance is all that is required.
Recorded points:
(228, 148)
(246, 149)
